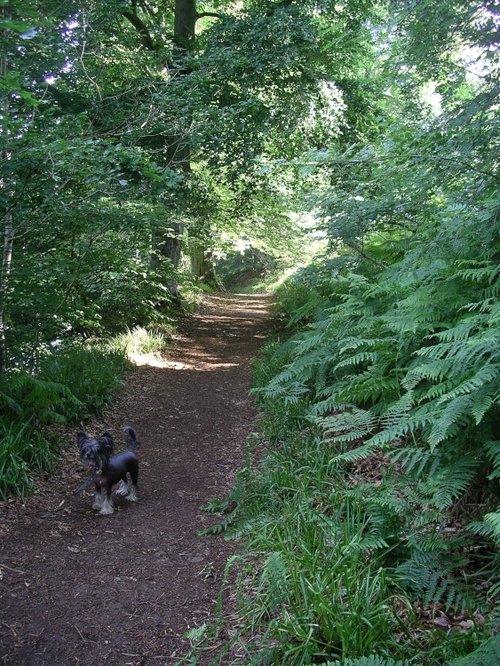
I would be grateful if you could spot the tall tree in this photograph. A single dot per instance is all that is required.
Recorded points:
(152, 123)
(8, 230)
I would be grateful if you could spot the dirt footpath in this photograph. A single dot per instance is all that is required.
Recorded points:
(80, 588)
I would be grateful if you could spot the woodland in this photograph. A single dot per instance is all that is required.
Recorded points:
(344, 155)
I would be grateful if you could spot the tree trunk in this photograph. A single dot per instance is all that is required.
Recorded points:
(167, 243)
(4, 283)
(184, 24)
(184, 39)
(201, 262)
(8, 235)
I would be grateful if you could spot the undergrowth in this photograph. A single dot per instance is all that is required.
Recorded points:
(324, 572)
(70, 385)
(370, 527)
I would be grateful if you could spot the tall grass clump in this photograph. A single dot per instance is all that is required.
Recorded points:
(71, 383)
(310, 582)
(140, 341)
(397, 380)
(92, 375)
(23, 449)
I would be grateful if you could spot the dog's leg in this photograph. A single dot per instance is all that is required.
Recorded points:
(122, 488)
(132, 492)
(98, 499)
(107, 505)
(134, 478)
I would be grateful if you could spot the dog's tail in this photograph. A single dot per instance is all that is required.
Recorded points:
(132, 442)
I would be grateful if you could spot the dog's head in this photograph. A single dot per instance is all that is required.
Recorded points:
(95, 453)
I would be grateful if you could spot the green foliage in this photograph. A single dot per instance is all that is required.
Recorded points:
(314, 562)
(42, 400)
(487, 654)
(23, 448)
(376, 501)
(137, 147)
(429, 575)
(375, 373)
(382, 406)
(368, 661)
(141, 341)
(84, 267)
(319, 577)
(70, 386)
(93, 375)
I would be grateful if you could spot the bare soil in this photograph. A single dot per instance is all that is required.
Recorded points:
(80, 588)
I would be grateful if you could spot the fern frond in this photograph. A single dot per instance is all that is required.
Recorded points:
(488, 527)
(449, 421)
(346, 426)
(484, 375)
(273, 580)
(488, 272)
(460, 332)
(359, 453)
(414, 460)
(430, 577)
(373, 660)
(398, 409)
(493, 520)
(358, 359)
(493, 452)
(449, 483)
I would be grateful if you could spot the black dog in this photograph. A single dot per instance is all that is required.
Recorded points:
(107, 469)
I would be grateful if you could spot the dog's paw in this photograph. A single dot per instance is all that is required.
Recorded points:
(107, 507)
(132, 494)
(122, 489)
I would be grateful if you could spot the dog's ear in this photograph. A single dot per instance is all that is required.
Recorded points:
(81, 437)
(106, 441)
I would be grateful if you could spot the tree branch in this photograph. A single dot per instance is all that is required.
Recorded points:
(209, 14)
(279, 5)
(363, 254)
(146, 7)
(140, 26)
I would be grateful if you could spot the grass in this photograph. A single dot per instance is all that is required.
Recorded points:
(70, 386)
(92, 375)
(314, 581)
(140, 341)
(316, 578)
(311, 585)
(24, 448)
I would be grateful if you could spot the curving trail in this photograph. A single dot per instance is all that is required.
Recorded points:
(81, 589)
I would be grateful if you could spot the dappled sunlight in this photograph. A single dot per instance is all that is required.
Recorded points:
(152, 360)
(200, 363)
(186, 396)
(220, 325)
(255, 296)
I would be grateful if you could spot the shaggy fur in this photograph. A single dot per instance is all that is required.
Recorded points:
(108, 469)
